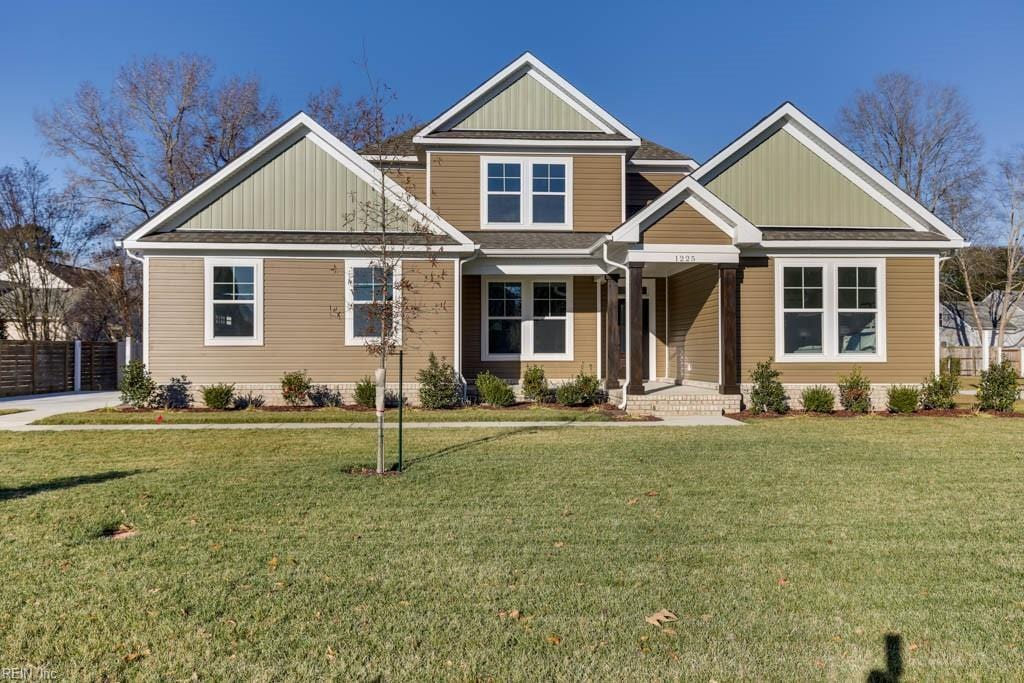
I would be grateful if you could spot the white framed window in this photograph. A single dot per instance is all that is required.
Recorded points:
(233, 308)
(830, 309)
(526, 192)
(526, 318)
(370, 296)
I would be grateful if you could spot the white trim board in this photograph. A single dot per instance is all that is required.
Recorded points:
(526, 63)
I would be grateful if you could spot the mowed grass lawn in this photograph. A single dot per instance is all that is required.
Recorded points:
(789, 549)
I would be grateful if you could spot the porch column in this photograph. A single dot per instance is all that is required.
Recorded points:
(728, 277)
(635, 329)
(611, 332)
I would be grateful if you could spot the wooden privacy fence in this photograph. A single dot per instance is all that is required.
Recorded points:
(45, 367)
(972, 358)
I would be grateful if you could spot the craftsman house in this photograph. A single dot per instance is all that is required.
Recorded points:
(554, 235)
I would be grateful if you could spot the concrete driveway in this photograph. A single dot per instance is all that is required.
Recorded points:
(43, 405)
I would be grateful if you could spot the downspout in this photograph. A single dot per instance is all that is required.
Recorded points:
(459, 263)
(625, 270)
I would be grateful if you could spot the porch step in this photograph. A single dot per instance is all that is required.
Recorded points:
(676, 404)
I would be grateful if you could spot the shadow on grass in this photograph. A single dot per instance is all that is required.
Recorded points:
(893, 661)
(64, 483)
(466, 445)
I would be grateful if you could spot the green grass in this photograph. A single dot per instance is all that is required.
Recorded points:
(788, 548)
(530, 414)
(12, 411)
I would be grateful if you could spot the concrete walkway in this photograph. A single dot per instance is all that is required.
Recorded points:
(44, 405)
(686, 421)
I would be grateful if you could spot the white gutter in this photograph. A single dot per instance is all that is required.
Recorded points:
(459, 263)
(625, 269)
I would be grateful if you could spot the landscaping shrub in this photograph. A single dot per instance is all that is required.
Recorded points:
(855, 392)
(939, 392)
(950, 365)
(570, 394)
(174, 395)
(535, 384)
(249, 401)
(439, 385)
(582, 390)
(365, 394)
(818, 399)
(998, 389)
(295, 387)
(768, 395)
(903, 399)
(493, 390)
(137, 386)
(322, 396)
(219, 396)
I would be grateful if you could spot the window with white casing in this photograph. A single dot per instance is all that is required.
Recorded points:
(830, 310)
(527, 318)
(371, 296)
(526, 192)
(233, 302)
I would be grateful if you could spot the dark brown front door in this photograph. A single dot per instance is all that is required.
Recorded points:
(622, 338)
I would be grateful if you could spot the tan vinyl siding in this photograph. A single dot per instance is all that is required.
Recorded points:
(304, 189)
(597, 190)
(304, 328)
(414, 180)
(782, 182)
(584, 335)
(525, 104)
(910, 321)
(643, 188)
(693, 324)
(684, 225)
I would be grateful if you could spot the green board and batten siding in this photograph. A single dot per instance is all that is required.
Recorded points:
(783, 183)
(303, 189)
(526, 105)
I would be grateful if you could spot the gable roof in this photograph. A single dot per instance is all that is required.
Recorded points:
(821, 143)
(577, 112)
(297, 128)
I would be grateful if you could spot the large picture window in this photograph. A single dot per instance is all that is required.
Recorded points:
(370, 293)
(234, 301)
(830, 310)
(527, 318)
(526, 192)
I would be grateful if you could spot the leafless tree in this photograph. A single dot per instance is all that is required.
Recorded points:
(924, 138)
(164, 126)
(108, 303)
(43, 231)
(1009, 193)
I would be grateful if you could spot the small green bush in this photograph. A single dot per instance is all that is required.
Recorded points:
(570, 394)
(855, 392)
(768, 395)
(365, 393)
(535, 384)
(249, 401)
(295, 387)
(219, 396)
(998, 388)
(493, 390)
(322, 396)
(903, 399)
(175, 395)
(582, 390)
(818, 399)
(137, 386)
(950, 365)
(939, 392)
(439, 386)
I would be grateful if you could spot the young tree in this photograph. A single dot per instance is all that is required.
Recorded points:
(1009, 193)
(924, 139)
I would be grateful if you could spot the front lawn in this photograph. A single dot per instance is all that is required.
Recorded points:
(338, 415)
(789, 549)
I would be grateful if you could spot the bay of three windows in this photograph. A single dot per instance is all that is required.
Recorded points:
(526, 192)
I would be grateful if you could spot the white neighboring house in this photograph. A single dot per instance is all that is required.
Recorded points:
(54, 288)
(958, 326)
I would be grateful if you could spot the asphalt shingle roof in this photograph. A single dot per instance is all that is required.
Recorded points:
(779, 234)
(294, 237)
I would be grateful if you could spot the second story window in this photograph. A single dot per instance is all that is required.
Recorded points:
(526, 193)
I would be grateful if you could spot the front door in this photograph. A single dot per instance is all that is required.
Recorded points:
(645, 336)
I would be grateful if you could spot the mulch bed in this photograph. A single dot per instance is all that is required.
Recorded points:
(956, 412)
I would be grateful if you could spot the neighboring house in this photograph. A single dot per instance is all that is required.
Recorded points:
(566, 241)
(52, 290)
(959, 327)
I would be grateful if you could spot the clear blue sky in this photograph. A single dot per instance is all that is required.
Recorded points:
(691, 75)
